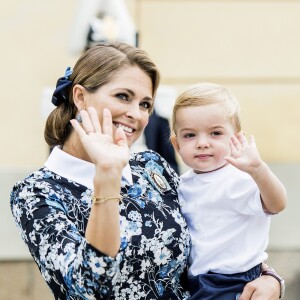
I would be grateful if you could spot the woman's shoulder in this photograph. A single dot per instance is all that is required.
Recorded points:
(152, 162)
(151, 159)
(145, 156)
(43, 181)
(43, 174)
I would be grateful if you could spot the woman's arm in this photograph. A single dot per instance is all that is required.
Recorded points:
(109, 152)
(42, 206)
(269, 286)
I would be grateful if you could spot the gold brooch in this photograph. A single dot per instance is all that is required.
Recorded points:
(159, 181)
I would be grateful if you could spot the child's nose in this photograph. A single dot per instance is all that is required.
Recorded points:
(202, 142)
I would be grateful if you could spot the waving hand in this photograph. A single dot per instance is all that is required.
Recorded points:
(105, 149)
(244, 154)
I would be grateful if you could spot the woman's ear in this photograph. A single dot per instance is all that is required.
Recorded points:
(174, 143)
(79, 93)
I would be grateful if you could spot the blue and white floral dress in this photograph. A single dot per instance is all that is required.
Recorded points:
(52, 211)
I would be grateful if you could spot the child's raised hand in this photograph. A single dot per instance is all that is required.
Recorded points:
(244, 154)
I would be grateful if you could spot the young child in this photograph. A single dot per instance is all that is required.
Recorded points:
(228, 195)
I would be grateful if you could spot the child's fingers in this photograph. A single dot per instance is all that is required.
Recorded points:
(252, 140)
(241, 138)
(236, 143)
(232, 146)
(231, 160)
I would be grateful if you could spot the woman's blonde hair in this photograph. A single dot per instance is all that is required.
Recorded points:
(204, 94)
(93, 69)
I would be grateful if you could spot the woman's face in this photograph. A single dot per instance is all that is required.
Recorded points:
(128, 96)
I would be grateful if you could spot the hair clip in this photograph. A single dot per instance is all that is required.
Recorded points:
(61, 92)
(68, 72)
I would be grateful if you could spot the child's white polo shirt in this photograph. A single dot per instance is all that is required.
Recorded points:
(228, 225)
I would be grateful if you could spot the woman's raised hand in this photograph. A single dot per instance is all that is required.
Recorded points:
(104, 148)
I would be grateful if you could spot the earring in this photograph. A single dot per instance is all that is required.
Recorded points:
(78, 118)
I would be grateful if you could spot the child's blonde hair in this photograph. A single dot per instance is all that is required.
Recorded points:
(205, 94)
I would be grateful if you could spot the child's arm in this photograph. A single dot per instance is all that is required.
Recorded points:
(245, 157)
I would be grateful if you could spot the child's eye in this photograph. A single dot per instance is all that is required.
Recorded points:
(122, 96)
(216, 133)
(188, 135)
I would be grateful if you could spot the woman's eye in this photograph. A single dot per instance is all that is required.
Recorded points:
(146, 105)
(122, 96)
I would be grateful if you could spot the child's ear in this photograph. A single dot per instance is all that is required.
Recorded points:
(174, 143)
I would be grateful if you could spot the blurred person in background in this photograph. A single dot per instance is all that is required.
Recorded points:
(100, 21)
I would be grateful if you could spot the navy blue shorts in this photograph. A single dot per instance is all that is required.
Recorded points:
(214, 286)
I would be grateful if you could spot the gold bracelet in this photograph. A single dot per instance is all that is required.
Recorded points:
(97, 200)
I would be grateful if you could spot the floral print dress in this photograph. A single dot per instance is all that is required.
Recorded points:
(52, 211)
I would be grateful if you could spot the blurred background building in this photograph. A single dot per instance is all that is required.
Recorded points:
(251, 47)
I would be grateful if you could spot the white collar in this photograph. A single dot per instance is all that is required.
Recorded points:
(76, 169)
(206, 177)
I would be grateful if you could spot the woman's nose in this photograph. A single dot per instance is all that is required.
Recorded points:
(134, 112)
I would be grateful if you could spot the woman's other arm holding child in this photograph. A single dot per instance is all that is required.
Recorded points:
(262, 288)
(245, 157)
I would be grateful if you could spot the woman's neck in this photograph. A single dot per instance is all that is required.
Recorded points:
(74, 147)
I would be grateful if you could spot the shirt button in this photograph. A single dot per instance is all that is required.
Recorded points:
(198, 226)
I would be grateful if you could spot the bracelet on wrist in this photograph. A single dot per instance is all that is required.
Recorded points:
(272, 272)
(97, 200)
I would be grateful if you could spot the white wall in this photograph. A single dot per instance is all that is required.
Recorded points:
(250, 46)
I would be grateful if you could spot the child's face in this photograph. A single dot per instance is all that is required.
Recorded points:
(202, 137)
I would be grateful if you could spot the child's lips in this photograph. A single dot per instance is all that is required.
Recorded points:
(203, 156)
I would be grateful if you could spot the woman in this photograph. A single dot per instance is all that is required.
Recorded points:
(97, 226)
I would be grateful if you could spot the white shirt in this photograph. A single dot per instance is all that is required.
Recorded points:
(228, 226)
(75, 169)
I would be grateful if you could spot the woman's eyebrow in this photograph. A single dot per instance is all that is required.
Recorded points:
(132, 93)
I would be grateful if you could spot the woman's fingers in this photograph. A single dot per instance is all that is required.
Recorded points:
(77, 127)
(247, 292)
(107, 122)
(120, 137)
(90, 123)
(86, 121)
(94, 119)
